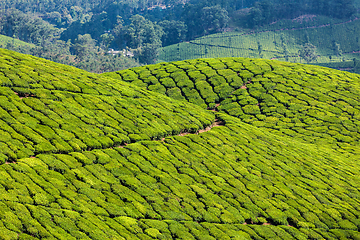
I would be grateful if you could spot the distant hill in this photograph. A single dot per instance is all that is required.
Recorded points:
(281, 40)
(14, 43)
(136, 154)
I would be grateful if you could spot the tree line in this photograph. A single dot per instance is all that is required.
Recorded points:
(264, 12)
(85, 30)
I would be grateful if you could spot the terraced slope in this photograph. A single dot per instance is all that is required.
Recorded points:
(280, 40)
(173, 172)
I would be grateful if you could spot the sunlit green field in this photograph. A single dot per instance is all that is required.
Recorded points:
(229, 148)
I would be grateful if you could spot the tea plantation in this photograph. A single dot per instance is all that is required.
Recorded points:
(310, 103)
(335, 41)
(202, 149)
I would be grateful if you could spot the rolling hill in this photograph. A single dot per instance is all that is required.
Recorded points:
(280, 40)
(229, 148)
(14, 43)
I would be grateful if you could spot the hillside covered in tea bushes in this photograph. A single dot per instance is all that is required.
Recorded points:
(202, 149)
(310, 103)
(335, 43)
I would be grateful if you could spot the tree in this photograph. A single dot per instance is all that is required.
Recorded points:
(191, 16)
(255, 17)
(25, 27)
(343, 8)
(106, 40)
(259, 48)
(84, 46)
(214, 19)
(284, 47)
(76, 13)
(308, 52)
(333, 8)
(54, 18)
(356, 68)
(142, 36)
(262, 12)
(337, 49)
(174, 32)
(117, 32)
(96, 27)
(202, 17)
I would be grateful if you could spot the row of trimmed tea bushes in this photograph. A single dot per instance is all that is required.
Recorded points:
(229, 175)
(313, 103)
(27, 72)
(271, 45)
(60, 121)
(230, 46)
(324, 37)
(204, 82)
(199, 49)
(306, 102)
(307, 21)
(45, 223)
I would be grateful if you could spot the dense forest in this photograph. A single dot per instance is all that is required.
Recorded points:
(80, 33)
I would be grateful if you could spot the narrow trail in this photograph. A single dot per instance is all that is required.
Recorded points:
(249, 222)
(24, 95)
(216, 123)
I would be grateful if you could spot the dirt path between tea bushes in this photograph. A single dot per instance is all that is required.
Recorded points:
(217, 123)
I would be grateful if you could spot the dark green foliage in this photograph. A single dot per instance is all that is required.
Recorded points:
(308, 52)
